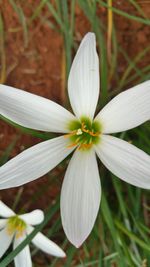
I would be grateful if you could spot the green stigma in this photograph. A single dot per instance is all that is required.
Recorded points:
(84, 133)
(16, 225)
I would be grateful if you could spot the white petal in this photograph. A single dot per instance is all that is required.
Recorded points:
(45, 244)
(3, 223)
(80, 196)
(126, 161)
(33, 111)
(83, 83)
(5, 211)
(34, 162)
(23, 259)
(5, 241)
(127, 110)
(34, 217)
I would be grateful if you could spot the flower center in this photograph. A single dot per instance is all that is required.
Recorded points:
(16, 225)
(84, 133)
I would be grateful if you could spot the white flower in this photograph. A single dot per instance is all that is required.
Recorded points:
(15, 228)
(81, 190)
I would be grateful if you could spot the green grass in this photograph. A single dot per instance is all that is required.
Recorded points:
(22, 20)
(121, 234)
(2, 51)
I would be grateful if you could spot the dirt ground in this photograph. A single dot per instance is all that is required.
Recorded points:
(37, 68)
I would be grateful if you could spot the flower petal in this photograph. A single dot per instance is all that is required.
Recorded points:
(127, 110)
(2, 223)
(126, 161)
(23, 259)
(45, 244)
(83, 83)
(80, 196)
(34, 162)
(34, 217)
(5, 211)
(33, 111)
(5, 241)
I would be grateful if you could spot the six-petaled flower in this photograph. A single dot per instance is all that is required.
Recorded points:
(15, 228)
(82, 132)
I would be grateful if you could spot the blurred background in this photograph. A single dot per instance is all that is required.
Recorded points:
(38, 40)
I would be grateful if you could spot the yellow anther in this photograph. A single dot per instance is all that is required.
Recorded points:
(83, 128)
(89, 132)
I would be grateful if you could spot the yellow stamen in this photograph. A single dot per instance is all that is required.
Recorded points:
(84, 136)
(83, 128)
(87, 131)
(19, 233)
(72, 145)
(16, 226)
(70, 134)
(94, 134)
(85, 146)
